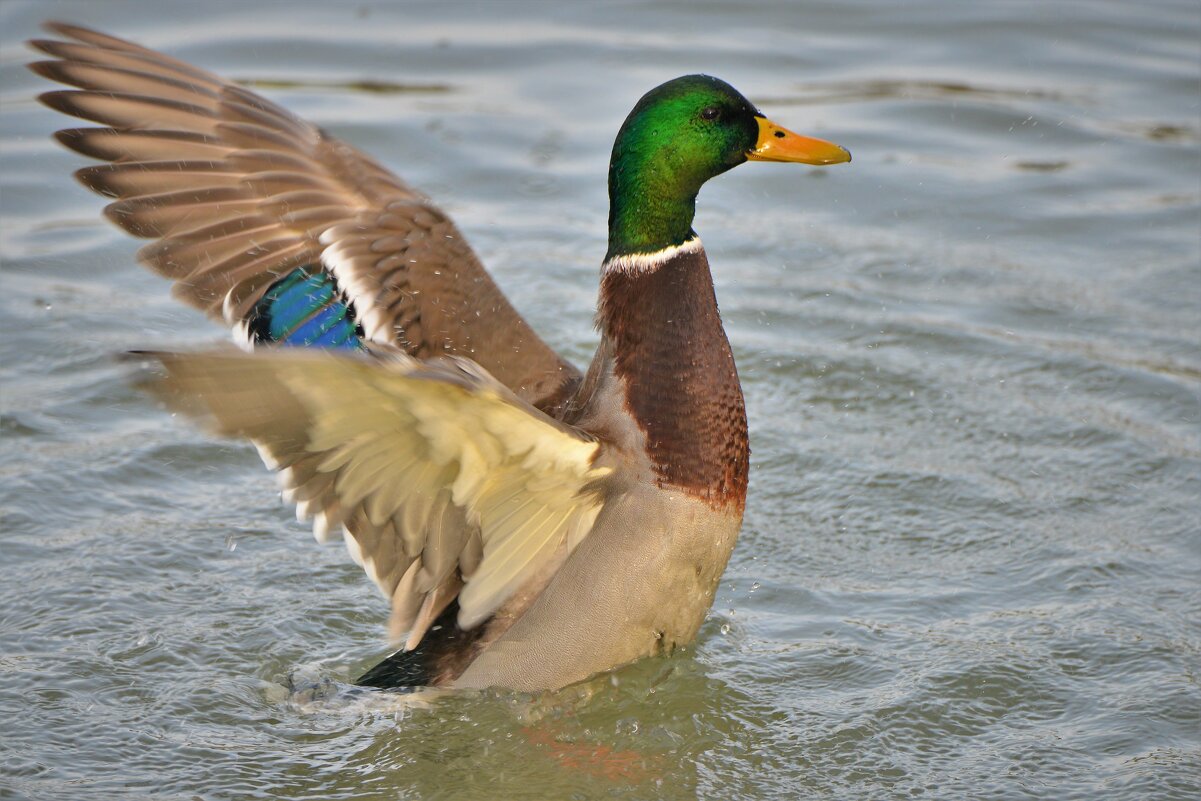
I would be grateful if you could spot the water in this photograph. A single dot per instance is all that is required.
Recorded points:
(971, 560)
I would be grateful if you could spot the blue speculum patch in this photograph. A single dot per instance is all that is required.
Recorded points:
(306, 309)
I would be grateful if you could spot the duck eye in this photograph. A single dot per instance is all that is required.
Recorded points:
(710, 113)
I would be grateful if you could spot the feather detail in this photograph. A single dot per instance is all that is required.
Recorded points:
(446, 484)
(240, 194)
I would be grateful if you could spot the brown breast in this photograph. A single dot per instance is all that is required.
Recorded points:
(682, 387)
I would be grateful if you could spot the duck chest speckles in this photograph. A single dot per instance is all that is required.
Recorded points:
(682, 387)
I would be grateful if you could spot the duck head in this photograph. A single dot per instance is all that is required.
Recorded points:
(679, 135)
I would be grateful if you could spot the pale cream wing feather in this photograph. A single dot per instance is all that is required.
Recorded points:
(438, 476)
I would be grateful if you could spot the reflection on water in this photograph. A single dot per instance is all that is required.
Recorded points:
(971, 557)
(864, 91)
(368, 86)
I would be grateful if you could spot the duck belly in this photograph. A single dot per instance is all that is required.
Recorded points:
(639, 585)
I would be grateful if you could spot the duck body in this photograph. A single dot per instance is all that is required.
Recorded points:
(663, 396)
(531, 525)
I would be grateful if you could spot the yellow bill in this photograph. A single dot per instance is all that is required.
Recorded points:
(780, 144)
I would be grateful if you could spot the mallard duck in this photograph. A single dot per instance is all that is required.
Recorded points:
(530, 524)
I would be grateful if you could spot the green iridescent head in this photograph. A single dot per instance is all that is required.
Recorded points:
(681, 134)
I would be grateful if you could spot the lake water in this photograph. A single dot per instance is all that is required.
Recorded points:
(971, 562)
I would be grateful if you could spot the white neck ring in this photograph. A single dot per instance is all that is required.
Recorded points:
(635, 263)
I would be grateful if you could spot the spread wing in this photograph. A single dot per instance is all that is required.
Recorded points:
(276, 228)
(442, 481)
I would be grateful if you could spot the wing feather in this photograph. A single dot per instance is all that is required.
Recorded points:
(212, 169)
(446, 484)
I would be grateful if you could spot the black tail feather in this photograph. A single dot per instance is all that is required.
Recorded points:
(401, 669)
(443, 653)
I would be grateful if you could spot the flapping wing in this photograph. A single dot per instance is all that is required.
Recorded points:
(241, 196)
(438, 476)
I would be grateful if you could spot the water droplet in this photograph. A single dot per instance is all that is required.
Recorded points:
(626, 726)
